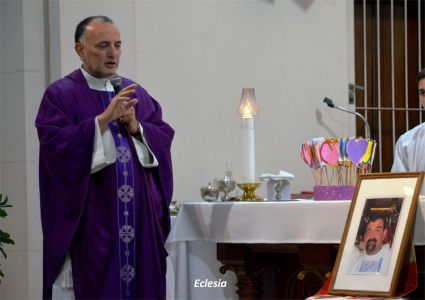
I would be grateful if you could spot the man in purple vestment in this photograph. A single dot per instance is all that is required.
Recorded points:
(105, 178)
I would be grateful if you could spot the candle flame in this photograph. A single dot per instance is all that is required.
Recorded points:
(248, 106)
(247, 111)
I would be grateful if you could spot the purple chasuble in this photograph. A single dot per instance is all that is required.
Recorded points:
(113, 222)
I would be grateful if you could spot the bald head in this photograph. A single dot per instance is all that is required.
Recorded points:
(81, 28)
(99, 47)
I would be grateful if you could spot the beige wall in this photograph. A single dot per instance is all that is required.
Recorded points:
(22, 76)
(194, 57)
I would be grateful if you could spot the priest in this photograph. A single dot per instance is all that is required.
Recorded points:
(105, 178)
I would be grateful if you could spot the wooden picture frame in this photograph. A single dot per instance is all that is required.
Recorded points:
(376, 235)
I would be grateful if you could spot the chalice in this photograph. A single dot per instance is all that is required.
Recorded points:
(249, 191)
(226, 186)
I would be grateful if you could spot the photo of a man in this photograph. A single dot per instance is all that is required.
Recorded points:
(372, 250)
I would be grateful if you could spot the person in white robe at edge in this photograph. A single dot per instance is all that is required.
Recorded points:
(373, 256)
(410, 148)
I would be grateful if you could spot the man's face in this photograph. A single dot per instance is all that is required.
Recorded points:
(374, 236)
(100, 49)
(421, 88)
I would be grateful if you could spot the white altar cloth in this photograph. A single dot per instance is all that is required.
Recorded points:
(191, 243)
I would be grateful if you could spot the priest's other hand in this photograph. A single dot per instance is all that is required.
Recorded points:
(120, 106)
(129, 118)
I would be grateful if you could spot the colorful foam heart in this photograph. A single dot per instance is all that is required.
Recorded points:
(356, 149)
(306, 154)
(315, 155)
(329, 152)
(368, 153)
(342, 149)
(368, 165)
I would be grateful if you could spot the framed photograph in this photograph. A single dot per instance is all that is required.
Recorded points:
(376, 235)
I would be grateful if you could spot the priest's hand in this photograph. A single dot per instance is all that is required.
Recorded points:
(129, 118)
(120, 106)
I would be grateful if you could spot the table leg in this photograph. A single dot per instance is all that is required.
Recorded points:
(248, 281)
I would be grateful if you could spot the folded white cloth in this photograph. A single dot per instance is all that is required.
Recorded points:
(280, 175)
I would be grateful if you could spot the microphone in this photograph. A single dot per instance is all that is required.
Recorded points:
(116, 83)
(331, 104)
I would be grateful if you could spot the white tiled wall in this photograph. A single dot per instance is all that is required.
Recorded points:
(35, 84)
(12, 25)
(35, 279)
(14, 185)
(13, 116)
(22, 82)
(15, 283)
(33, 208)
(1, 97)
(33, 35)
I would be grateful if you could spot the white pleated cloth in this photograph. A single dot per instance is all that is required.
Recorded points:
(63, 287)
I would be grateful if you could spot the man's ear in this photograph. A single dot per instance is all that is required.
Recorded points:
(385, 233)
(79, 49)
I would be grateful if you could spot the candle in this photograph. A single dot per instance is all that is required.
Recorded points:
(247, 110)
(248, 149)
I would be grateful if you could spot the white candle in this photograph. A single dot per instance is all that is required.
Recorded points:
(247, 110)
(248, 149)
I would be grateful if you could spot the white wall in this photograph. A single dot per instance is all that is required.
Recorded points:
(22, 84)
(196, 56)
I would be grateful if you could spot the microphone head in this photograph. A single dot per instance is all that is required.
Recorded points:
(116, 83)
(329, 102)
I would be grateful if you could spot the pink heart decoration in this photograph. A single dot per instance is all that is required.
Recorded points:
(329, 153)
(356, 149)
(306, 154)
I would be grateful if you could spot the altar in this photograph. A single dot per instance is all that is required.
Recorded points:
(211, 242)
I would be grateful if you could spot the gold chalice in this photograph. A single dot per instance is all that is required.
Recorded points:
(249, 191)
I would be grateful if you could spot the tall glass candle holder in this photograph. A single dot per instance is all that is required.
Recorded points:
(248, 109)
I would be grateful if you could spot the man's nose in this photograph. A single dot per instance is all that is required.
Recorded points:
(112, 51)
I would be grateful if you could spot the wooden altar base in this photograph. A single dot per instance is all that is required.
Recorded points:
(288, 271)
